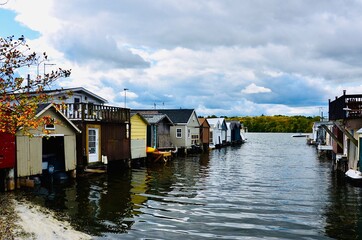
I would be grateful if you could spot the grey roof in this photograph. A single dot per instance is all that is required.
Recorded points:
(76, 90)
(156, 118)
(233, 124)
(41, 107)
(178, 115)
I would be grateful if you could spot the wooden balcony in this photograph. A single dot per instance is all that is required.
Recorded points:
(346, 107)
(93, 112)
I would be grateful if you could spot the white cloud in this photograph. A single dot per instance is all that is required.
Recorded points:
(192, 53)
(253, 88)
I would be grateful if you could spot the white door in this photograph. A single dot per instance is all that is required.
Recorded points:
(93, 151)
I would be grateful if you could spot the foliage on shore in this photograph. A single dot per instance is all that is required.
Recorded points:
(278, 123)
(20, 96)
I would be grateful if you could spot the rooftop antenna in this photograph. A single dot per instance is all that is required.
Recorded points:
(321, 113)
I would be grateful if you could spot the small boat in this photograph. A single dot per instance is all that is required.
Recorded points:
(154, 154)
(300, 135)
(354, 174)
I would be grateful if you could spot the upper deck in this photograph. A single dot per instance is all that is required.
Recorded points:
(346, 107)
(94, 112)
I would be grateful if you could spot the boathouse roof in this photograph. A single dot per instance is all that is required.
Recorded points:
(156, 118)
(178, 115)
(42, 108)
(79, 90)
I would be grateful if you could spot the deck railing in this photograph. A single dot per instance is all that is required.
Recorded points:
(94, 112)
(346, 107)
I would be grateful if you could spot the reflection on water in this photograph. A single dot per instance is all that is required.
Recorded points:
(273, 187)
(344, 220)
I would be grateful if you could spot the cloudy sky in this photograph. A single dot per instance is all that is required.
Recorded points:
(220, 57)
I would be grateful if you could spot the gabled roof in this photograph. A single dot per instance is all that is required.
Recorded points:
(181, 116)
(76, 90)
(42, 108)
(142, 117)
(156, 118)
(204, 121)
(177, 116)
(214, 121)
(233, 124)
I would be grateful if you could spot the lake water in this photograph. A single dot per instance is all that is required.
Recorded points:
(273, 187)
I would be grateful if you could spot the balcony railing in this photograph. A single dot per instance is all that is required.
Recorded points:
(346, 107)
(93, 112)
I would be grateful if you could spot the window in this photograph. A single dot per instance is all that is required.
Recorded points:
(50, 124)
(188, 133)
(92, 141)
(178, 133)
(195, 139)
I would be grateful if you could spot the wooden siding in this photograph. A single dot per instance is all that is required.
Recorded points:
(7, 150)
(138, 128)
(29, 150)
(179, 142)
(138, 149)
(28, 155)
(339, 135)
(63, 127)
(192, 128)
(70, 152)
(205, 133)
(115, 144)
(163, 134)
(138, 137)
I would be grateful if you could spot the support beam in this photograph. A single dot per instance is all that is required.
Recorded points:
(332, 135)
(347, 133)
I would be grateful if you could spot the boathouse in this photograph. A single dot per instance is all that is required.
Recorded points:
(184, 130)
(51, 148)
(218, 132)
(105, 129)
(138, 136)
(158, 131)
(233, 133)
(346, 114)
(204, 134)
(185, 133)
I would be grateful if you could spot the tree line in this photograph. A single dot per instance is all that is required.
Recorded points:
(278, 123)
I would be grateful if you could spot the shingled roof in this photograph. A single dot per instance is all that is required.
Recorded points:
(156, 118)
(178, 115)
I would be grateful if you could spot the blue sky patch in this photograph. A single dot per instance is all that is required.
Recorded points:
(11, 27)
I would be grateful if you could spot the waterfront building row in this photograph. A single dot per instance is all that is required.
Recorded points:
(341, 136)
(88, 133)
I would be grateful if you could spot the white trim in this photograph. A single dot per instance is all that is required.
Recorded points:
(49, 135)
(65, 118)
(180, 133)
(49, 128)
